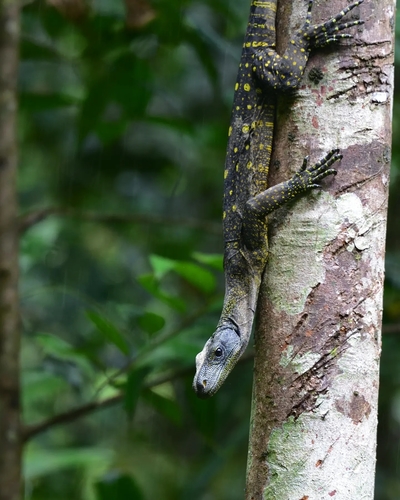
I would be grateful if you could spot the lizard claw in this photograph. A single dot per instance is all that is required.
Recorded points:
(305, 163)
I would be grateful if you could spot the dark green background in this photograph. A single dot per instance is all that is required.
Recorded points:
(134, 122)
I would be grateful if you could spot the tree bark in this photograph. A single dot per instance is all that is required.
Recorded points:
(314, 409)
(10, 429)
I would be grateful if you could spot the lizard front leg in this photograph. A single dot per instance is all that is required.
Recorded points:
(286, 72)
(258, 207)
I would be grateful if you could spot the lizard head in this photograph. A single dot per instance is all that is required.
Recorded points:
(214, 363)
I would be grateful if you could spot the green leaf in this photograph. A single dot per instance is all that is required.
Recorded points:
(214, 260)
(40, 385)
(118, 487)
(194, 37)
(53, 346)
(30, 101)
(109, 331)
(161, 265)
(196, 275)
(193, 273)
(133, 388)
(164, 405)
(110, 131)
(132, 88)
(40, 462)
(92, 108)
(149, 283)
(32, 48)
(178, 351)
(151, 322)
(60, 349)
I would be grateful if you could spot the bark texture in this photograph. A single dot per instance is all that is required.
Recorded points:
(10, 435)
(314, 411)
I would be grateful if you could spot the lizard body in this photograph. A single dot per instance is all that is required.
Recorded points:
(247, 199)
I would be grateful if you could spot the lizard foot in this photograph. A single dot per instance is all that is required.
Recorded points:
(325, 33)
(311, 176)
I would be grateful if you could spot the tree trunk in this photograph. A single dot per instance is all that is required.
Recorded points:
(314, 410)
(10, 430)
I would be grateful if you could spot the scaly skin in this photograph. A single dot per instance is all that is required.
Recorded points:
(247, 200)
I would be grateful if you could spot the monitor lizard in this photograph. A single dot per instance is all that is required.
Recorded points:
(263, 73)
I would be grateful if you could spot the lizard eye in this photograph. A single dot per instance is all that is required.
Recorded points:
(218, 352)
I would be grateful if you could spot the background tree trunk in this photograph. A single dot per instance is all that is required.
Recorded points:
(314, 412)
(10, 435)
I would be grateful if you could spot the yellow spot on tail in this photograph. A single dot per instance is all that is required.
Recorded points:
(246, 87)
(236, 86)
(234, 207)
(245, 129)
(229, 131)
(225, 174)
(224, 215)
(249, 164)
(235, 150)
(237, 167)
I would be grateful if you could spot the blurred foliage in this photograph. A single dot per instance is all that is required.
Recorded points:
(128, 115)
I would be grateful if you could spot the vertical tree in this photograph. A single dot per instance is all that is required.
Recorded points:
(10, 446)
(314, 413)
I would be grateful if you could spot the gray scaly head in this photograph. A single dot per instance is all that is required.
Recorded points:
(214, 363)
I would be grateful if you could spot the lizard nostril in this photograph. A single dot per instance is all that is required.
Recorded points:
(204, 383)
(199, 388)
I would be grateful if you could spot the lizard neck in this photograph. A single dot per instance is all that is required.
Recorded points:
(243, 271)
(246, 169)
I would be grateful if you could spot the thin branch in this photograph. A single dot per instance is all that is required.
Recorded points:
(10, 408)
(71, 415)
(159, 340)
(391, 328)
(30, 219)
(31, 431)
(138, 13)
